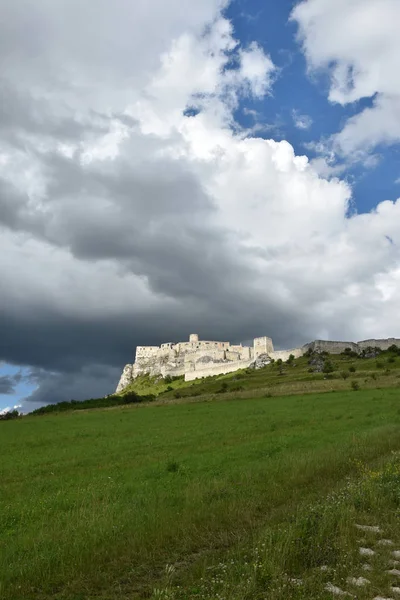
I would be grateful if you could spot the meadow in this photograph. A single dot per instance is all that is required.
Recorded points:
(221, 497)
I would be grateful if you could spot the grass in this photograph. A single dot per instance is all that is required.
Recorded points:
(290, 378)
(95, 504)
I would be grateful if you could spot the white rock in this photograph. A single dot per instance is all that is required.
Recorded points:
(394, 563)
(296, 581)
(125, 380)
(371, 528)
(394, 572)
(396, 553)
(367, 567)
(333, 589)
(382, 598)
(366, 552)
(395, 589)
(385, 543)
(358, 581)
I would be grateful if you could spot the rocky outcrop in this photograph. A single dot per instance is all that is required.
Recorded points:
(261, 361)
(126, 379)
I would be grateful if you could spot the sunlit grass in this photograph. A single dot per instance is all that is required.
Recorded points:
(95, 504)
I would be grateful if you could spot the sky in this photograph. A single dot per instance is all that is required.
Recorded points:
(229, 168)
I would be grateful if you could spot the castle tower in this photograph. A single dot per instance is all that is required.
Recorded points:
(193, 338)
(262, 345)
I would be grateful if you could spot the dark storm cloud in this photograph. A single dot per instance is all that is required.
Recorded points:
(112, 242)
(8, 383)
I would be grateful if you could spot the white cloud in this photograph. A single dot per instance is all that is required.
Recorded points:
(301, 121)
(357, 41)
(125, 219)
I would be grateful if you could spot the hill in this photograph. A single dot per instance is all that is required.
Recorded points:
(179, 499)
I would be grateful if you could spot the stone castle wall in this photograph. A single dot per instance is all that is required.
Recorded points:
(221, 369)
(196, 359)
(284, 354)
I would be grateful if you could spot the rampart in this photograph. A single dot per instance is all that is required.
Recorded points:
(284, 354)
(196, 358)
(221, 369)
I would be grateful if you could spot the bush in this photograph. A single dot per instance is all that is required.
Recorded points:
(350, 353)
(394, 348)
(379, 364)
(223, 388)
(355, 386)
(173, 466)
(328, 367)
(279, 362)
(177, 394)
(344, 374)
(391, 359)
(168, 379)
(352, 369)
(11, 414)
(291, 358)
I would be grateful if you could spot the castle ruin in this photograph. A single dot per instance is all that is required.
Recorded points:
(198, 358)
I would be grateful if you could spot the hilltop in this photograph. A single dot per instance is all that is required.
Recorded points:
(314, 372)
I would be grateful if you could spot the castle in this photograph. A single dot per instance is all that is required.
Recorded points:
(197, 358)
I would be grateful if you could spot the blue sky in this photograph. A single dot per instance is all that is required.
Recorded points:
(269, 23)
(129, 218)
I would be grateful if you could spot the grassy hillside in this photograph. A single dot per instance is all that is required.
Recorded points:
(342, 372)
(137, 500)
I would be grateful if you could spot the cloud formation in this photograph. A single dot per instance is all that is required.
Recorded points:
(357, 42)
(135, 210)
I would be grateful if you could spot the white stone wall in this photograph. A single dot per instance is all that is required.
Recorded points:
(382, 344)
(221, 369)
(196, 359)
(284, 354)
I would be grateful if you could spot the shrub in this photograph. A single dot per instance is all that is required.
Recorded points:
(352, 369)
(169, 388)
(328, 367)
(355, 386)
(379, 364)
(350, 353)
(291, 358)
(177, 394)
(223, 388)
(391, 359)
(172, 466)
(168, 379)
(279, 362)
(11, 414)
(344, 374)
(394, 348)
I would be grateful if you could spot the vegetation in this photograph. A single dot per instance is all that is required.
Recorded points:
(107, 401)
(295, 376)
(10, 414)
(225, 499)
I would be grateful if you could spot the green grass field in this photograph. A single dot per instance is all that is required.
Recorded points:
(182, 500)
